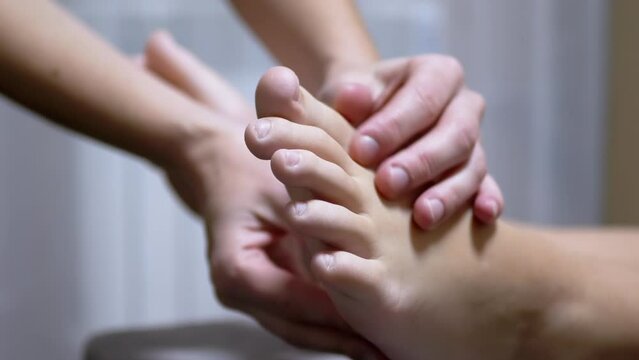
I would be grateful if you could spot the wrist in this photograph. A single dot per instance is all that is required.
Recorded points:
(189, 158)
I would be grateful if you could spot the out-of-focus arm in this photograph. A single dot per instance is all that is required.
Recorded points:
(311, 37)
(51, 63)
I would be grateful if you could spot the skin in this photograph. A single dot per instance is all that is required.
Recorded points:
(255, 260)
(189, 140)
(464, 291)
(393, 102)
(51, 63)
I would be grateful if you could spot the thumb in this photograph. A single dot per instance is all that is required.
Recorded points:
(353, 101)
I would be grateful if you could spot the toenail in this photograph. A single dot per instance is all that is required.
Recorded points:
(367, 149)
(300, 208)
(327, 261)
(292, 158)
(436, 209)
(399, 179)
(262, 128)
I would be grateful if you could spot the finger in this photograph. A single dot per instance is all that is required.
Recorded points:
(430, 85)
(489, 203)
(327, 181)
(279, 94)
(353, 101)
(318, 338)
(443, 148)
(452, 194)
(267, 135)
(348, 276)
(332, 224)
(247, 279)
(185, 71)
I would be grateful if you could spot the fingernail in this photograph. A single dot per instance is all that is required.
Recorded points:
(262, 128)
(299, 208)
(327, 261)
(367, 149)
(292, 158)
(398, 179)
(436, 209)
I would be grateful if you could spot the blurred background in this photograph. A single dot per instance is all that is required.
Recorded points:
(91, 239)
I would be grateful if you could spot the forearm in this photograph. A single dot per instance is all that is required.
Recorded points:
(52, 64)
(311, 37)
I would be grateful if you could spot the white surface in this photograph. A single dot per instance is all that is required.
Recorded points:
(91, 239)
(220, 340)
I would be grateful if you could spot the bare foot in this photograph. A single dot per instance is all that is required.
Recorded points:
(414, 294)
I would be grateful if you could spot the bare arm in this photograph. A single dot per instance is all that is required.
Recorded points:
(393, 102)
(310, 36)
(54, 65)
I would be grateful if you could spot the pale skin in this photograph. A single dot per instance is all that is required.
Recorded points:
(392, 101)
(186, 124)
(464, 291)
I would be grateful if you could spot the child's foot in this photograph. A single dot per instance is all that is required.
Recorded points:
(399, 287)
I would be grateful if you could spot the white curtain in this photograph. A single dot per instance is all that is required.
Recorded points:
(92, 239)
(541, 65)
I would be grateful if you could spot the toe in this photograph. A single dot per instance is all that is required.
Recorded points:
(267, 135)
(345, 274)
(334, 225)
(325, 180)
(279, 94)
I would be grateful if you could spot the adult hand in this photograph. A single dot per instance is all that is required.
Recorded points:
(255, 261)
(397, 101)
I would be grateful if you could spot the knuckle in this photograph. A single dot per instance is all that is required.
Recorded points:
(390, 130)
(455, 196)
(465, 138)
(423, 167)
(428, 101)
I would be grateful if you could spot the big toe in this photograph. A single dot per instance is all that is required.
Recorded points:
(279, 94)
